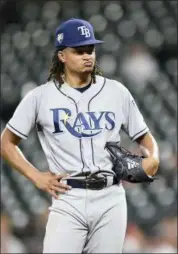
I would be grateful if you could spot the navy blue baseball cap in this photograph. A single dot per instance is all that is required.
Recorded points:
(75, 32)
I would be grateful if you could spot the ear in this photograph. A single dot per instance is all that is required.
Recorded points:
(61, 56)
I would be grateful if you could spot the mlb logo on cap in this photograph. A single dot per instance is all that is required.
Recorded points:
(74, 33)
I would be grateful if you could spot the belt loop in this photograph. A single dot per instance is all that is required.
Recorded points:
(109, 181)
(64, 181)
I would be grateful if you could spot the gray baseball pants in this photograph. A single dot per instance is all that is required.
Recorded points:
(87, 221)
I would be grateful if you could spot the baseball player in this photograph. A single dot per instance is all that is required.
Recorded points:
(75, 113)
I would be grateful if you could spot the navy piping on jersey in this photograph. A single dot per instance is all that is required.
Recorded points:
(139, 133)
(17, 131)
(80, 142)
(92, 148)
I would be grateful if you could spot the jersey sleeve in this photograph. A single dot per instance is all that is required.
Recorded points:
(134, 124)
(24, 117)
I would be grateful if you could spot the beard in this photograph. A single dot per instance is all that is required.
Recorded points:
(87, 69)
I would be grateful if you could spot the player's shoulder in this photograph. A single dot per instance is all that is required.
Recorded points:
(41, 89)
(45, 87)
(115, 85)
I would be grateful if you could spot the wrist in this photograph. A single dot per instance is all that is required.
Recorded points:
(33, 175)
(150, 165)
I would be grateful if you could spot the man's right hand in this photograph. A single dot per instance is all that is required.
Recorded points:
(50, 183)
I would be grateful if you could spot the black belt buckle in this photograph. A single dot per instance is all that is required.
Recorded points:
(96, 184)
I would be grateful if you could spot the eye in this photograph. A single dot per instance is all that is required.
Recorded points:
(85, 49)
(90, 51)
(80, 52)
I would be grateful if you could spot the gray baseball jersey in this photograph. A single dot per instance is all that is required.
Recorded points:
(73, 127)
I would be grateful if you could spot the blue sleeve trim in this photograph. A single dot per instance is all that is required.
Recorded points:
(17, 131)
(140, 133)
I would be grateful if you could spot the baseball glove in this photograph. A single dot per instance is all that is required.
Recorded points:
(127, 166)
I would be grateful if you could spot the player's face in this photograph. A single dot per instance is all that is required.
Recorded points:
(80, 59)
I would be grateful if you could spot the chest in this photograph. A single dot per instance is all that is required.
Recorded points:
(80, 116)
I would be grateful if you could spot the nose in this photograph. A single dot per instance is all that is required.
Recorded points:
(86, 56)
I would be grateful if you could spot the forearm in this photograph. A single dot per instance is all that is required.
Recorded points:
(150, 150)
(13, 155)
(149, 147)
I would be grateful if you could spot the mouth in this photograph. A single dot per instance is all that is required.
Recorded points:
(88, 64)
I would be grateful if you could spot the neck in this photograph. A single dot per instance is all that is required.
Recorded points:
(77, 81)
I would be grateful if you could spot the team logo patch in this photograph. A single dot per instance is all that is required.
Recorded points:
(60, 37)
(84, 124)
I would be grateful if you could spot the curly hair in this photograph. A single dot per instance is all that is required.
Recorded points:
(56, 70)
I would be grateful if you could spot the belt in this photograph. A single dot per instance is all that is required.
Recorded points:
(89, 183)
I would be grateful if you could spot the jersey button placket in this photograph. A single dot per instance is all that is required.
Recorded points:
(80, 130)
(84, 143)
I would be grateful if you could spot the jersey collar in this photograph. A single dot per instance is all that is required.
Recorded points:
(91, 92)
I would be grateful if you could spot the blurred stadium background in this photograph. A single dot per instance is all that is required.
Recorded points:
(140, 50)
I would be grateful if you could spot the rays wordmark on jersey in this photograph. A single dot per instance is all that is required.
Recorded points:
(84, 124)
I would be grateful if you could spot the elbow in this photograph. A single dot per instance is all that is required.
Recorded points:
(4, 147)
(9, 141)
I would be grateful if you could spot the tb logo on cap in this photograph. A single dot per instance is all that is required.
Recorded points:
(84, 31)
